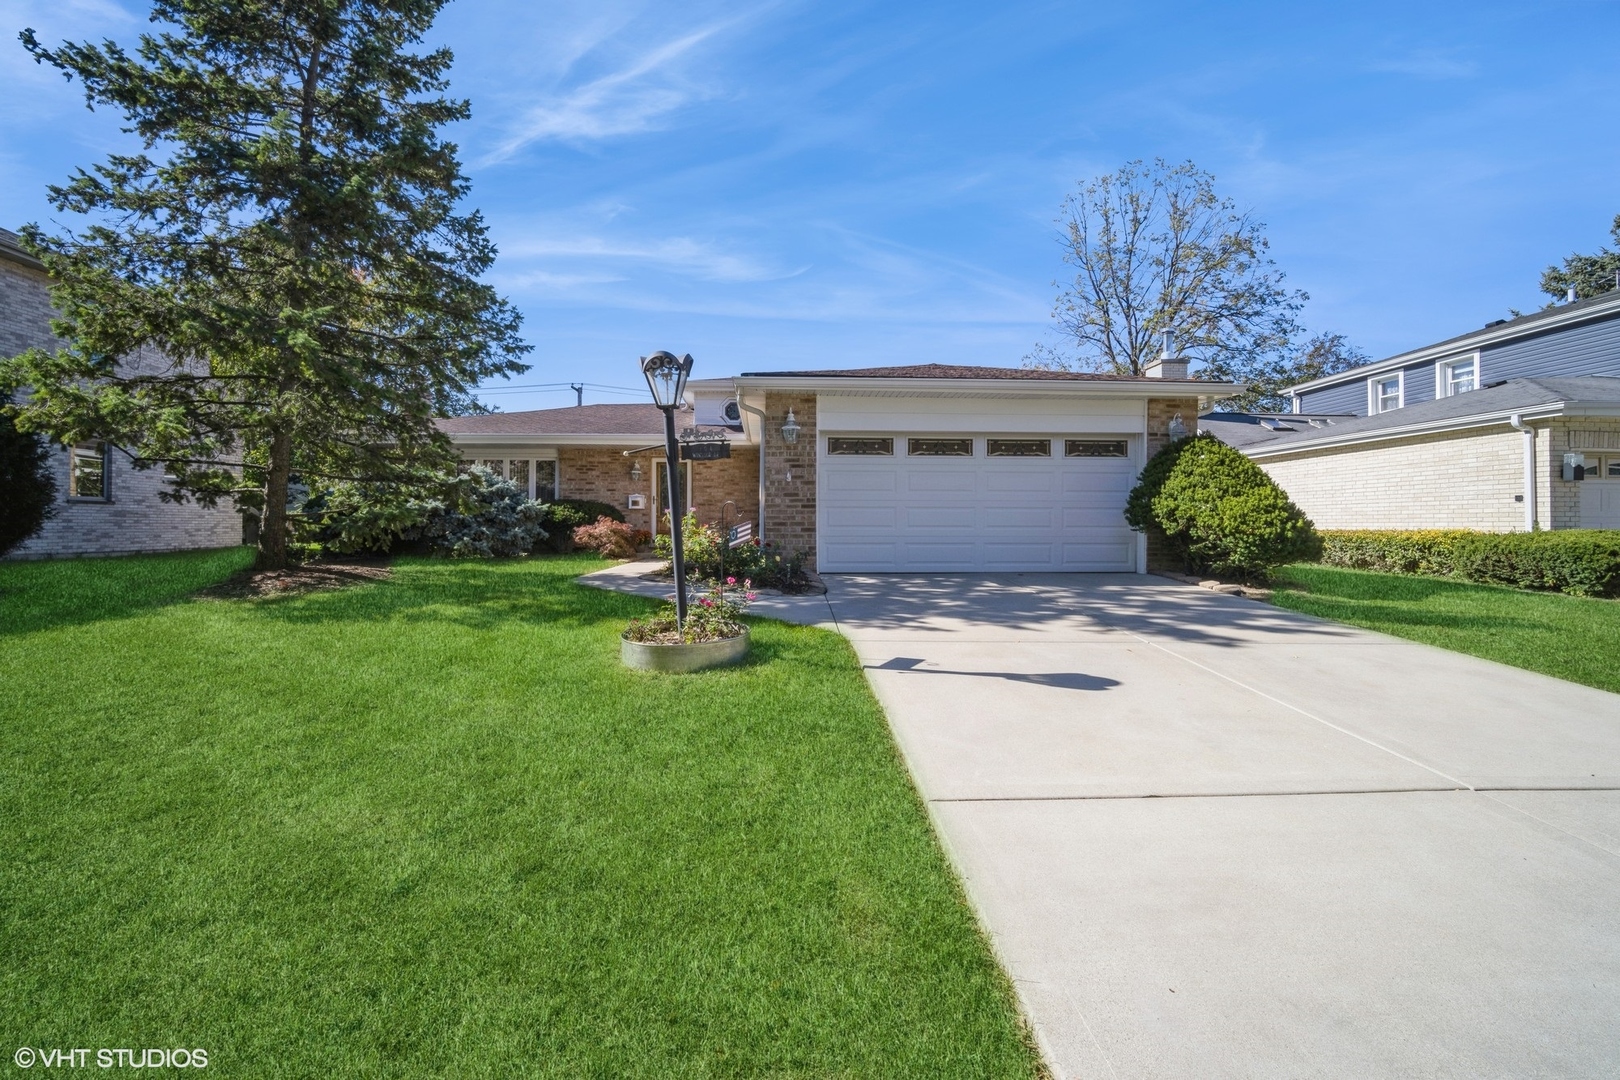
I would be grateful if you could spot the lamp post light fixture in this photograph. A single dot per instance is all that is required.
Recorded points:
(790, 429)
(635, 470)
(1178, 428)
(666, 378)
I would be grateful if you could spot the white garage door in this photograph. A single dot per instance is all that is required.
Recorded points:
(1600, 495)
(902, 511)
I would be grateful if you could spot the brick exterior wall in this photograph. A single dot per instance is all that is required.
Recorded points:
(603, 474)
(1463, 480)
(790, 504)
(1159, 413)
(134, 520)
(734, 479)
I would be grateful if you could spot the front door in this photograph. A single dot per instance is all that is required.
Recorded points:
(1600, 493)
(683, 476)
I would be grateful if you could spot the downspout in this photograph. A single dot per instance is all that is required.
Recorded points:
(1529, 433)
(760, 532)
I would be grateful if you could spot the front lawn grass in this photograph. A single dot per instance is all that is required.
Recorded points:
(431, 827)
(1568, 637)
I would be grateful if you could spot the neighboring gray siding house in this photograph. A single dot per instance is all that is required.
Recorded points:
(1513, 426)
(1582, 338)
(107, 506)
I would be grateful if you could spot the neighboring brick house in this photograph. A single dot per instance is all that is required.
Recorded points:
(1513, 426)
(928, 467)
(106, 505)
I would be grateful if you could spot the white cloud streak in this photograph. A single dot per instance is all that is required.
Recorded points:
(626, 102)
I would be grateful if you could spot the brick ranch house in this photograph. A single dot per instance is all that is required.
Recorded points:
(929, 467)
(106, 506)
(1513, 426)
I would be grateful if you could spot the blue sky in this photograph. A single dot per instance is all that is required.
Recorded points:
(828, 184)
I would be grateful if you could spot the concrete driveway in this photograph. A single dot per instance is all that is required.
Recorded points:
(1213, 839)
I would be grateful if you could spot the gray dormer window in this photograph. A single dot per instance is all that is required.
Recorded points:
(1385, 393)
(1458, 376)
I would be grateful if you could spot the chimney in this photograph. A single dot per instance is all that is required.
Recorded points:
(1167, 365)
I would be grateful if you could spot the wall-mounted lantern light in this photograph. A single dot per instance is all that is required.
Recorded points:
(1178, 428)
(790, 429)
(635, 470)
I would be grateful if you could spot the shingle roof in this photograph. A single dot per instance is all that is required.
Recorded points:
(1246, 432)
(943, 371)
(12, 251)
(578, 420)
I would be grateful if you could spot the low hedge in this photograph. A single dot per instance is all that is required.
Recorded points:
(1581, 562)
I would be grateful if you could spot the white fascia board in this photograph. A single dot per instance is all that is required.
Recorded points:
(569, 440)
(1471, 343)
(1545, 411)
(1140, 388)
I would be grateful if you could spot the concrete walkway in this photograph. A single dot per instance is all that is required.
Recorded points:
(1210, 838)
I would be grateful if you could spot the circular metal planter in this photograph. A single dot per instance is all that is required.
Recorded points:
(647, 656)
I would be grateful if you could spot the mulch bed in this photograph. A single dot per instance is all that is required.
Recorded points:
(296, 580)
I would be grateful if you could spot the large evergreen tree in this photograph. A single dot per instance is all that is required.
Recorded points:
(293, 288)
(1589, 275)
(27, 489)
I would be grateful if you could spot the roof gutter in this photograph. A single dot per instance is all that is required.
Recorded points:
(996, 387)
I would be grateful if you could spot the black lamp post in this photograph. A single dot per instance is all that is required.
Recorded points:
(666, 378)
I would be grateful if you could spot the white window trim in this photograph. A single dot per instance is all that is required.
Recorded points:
(1442, 374)
(1372, 391)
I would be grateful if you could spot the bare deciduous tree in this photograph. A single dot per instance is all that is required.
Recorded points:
(1155, 248)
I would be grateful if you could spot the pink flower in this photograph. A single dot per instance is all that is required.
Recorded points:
(749, 597)
(731, 581)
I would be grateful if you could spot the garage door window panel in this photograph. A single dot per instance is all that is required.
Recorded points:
(1095, 448)
(939, 447)
(1018, 447)
(843, 446)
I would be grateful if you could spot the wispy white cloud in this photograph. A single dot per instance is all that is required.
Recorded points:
(680, 254)
(1428, 64)
(633, 99)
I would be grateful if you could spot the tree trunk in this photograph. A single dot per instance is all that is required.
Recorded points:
(273, 524)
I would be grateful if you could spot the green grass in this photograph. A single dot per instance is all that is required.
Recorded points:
(431, 827)
(1565, 636)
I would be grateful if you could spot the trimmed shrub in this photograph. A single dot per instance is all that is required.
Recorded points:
(491, 516)
(25, 477)
(1581, 562)
(1218, 511)
(608, 538)
(589, 510)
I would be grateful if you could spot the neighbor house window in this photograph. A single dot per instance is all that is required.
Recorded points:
(545, 481)
(1095, 448)
(861, 447)
(494, 465)
(1018, 447)
(87, 477)
(517, 471)
(939, 447)
(1386, 393)
(1614, 469)
(1459, 376)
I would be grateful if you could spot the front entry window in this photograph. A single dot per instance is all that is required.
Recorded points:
(545, 481)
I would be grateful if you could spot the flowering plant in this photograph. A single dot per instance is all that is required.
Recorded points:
(713, 615)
